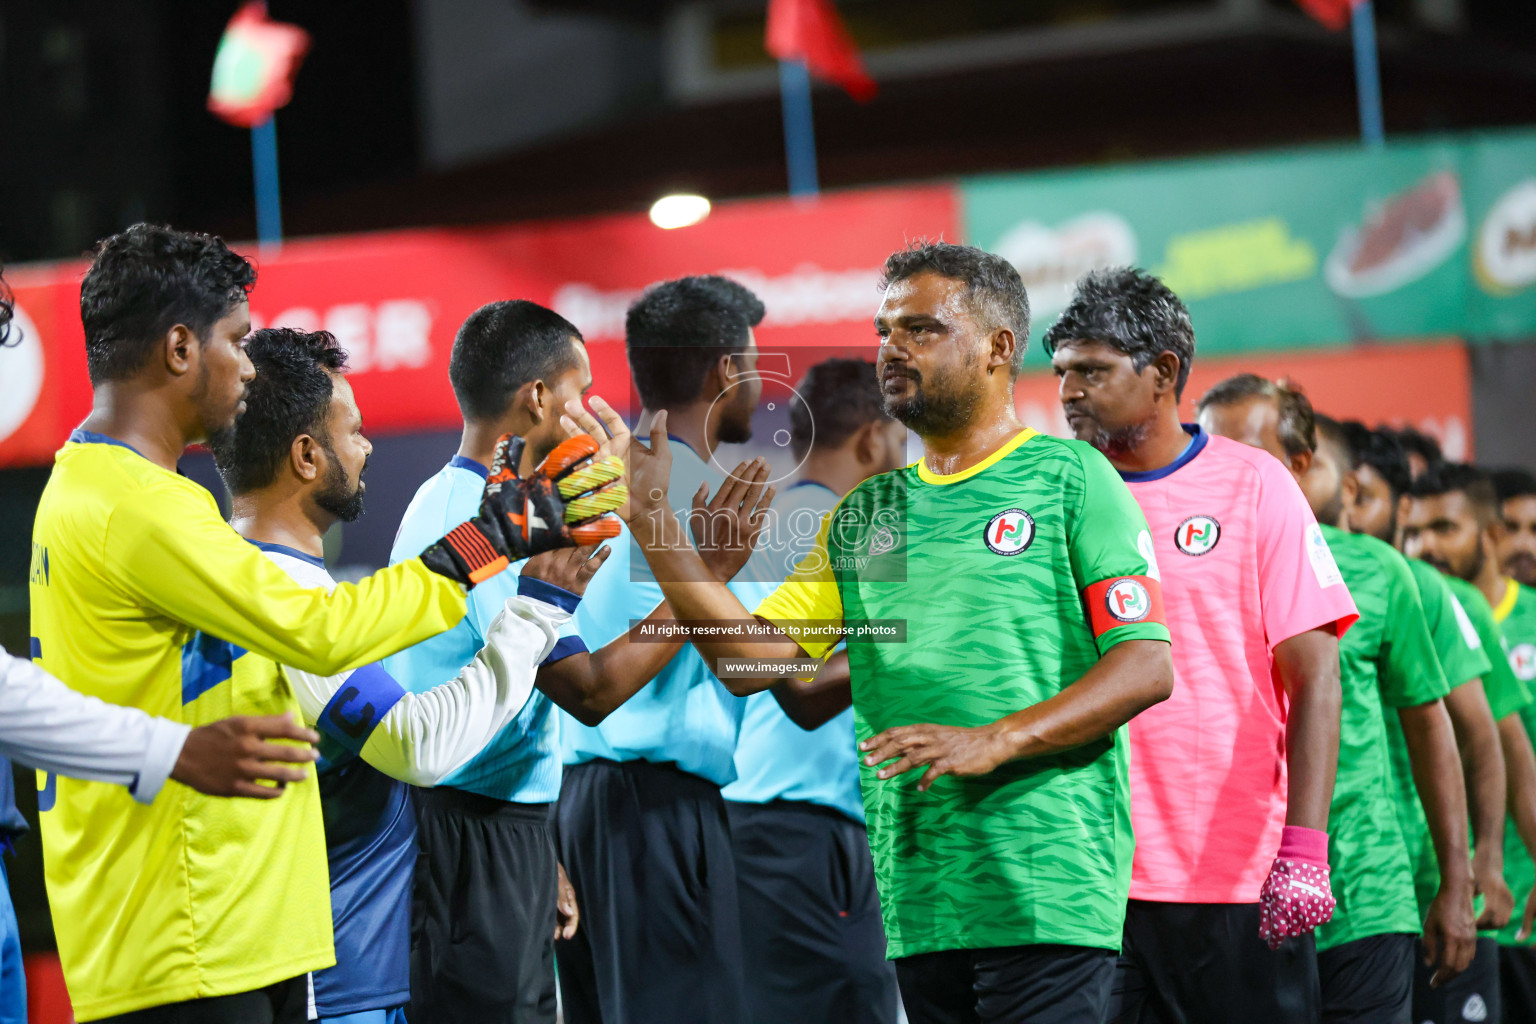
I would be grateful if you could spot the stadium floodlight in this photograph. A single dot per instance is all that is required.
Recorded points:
(679, 211)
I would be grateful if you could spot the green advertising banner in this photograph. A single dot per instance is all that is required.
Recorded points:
(1301, 248)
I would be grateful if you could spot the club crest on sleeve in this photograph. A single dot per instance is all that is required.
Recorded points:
(1197, 535)
(1522, 659)
(1127, 600)
(1010, 532)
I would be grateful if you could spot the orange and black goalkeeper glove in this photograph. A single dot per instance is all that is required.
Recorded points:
(567, 502)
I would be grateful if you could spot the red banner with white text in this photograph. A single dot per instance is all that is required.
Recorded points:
(395, 300)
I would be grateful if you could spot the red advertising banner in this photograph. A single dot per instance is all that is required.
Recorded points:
(395, 300)
(1427, 385)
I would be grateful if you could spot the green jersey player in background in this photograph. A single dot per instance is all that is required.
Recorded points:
(1449, 521)
(1391, 677)
(1506, 584)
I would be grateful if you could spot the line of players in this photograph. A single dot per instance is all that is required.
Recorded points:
(1029, 579)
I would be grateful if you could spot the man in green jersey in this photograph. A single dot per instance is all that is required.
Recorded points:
(1517, 519)
(1019, 574)
(1514, 609)
(1365, 953)
(1373, 490)
(1449, 522)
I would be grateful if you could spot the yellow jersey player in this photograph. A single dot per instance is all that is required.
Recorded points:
(141, 595)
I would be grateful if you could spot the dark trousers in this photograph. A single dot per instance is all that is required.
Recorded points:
(1204, 963)
(286, 1002)
(811, 928)
(1472, 997)
(483, 917)
(1517, 983)
(648, 851)
(1368, 981)
(1008, 985)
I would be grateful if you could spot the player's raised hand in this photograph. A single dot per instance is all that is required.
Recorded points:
(649, 469)
(942, 749)
(568, 568)
(607, 427)
(564, 502)
(235, 756)
(726, 527)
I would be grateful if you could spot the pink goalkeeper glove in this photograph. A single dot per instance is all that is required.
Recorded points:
(1296, 897)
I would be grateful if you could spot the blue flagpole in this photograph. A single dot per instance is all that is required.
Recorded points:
(1367, 74)
(269, 205)
(799, 129)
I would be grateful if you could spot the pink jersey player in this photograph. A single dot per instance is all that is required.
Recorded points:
(1244, 567)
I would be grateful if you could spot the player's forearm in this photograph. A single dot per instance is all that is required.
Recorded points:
(1482, 764)
(590, 687)
(1520, 778)
(1442, 791)
(694, 594)
(1309, 670)
(1131, 677)
(811, 703)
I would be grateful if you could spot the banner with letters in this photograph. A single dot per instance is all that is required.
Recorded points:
(1314, 247)
(1317, 248)
(395, 300)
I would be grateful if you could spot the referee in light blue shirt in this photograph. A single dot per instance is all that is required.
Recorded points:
(642, 826)
(813, 937)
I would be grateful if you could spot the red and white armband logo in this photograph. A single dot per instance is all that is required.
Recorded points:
(1121, 600)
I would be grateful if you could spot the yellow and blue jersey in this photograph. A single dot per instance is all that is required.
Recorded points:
(143, 596)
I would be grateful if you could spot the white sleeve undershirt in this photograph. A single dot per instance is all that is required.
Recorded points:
(425, 737)
(46, 725)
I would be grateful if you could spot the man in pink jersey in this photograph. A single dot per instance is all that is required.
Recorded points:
(1231, 778)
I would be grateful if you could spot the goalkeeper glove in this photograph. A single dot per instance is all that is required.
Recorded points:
(1296, 897)
(564, 503)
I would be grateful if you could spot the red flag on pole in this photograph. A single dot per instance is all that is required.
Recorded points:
(254, 68)
(811, 31)
(1332, 14)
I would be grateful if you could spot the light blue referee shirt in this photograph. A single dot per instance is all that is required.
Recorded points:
(775, 758)
(522, 763)
(684, 715)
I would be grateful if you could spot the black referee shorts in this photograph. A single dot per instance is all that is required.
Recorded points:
(1472, 997)
(1369, 980)
(1204, 963)
(483, 917)
(811, 928)
(648, 851)
(286, 1002)
(1041, 984)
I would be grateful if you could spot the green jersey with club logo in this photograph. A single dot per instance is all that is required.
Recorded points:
(1466, 641)
(1516, 615)
(1386, 661)
(1012, 578)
